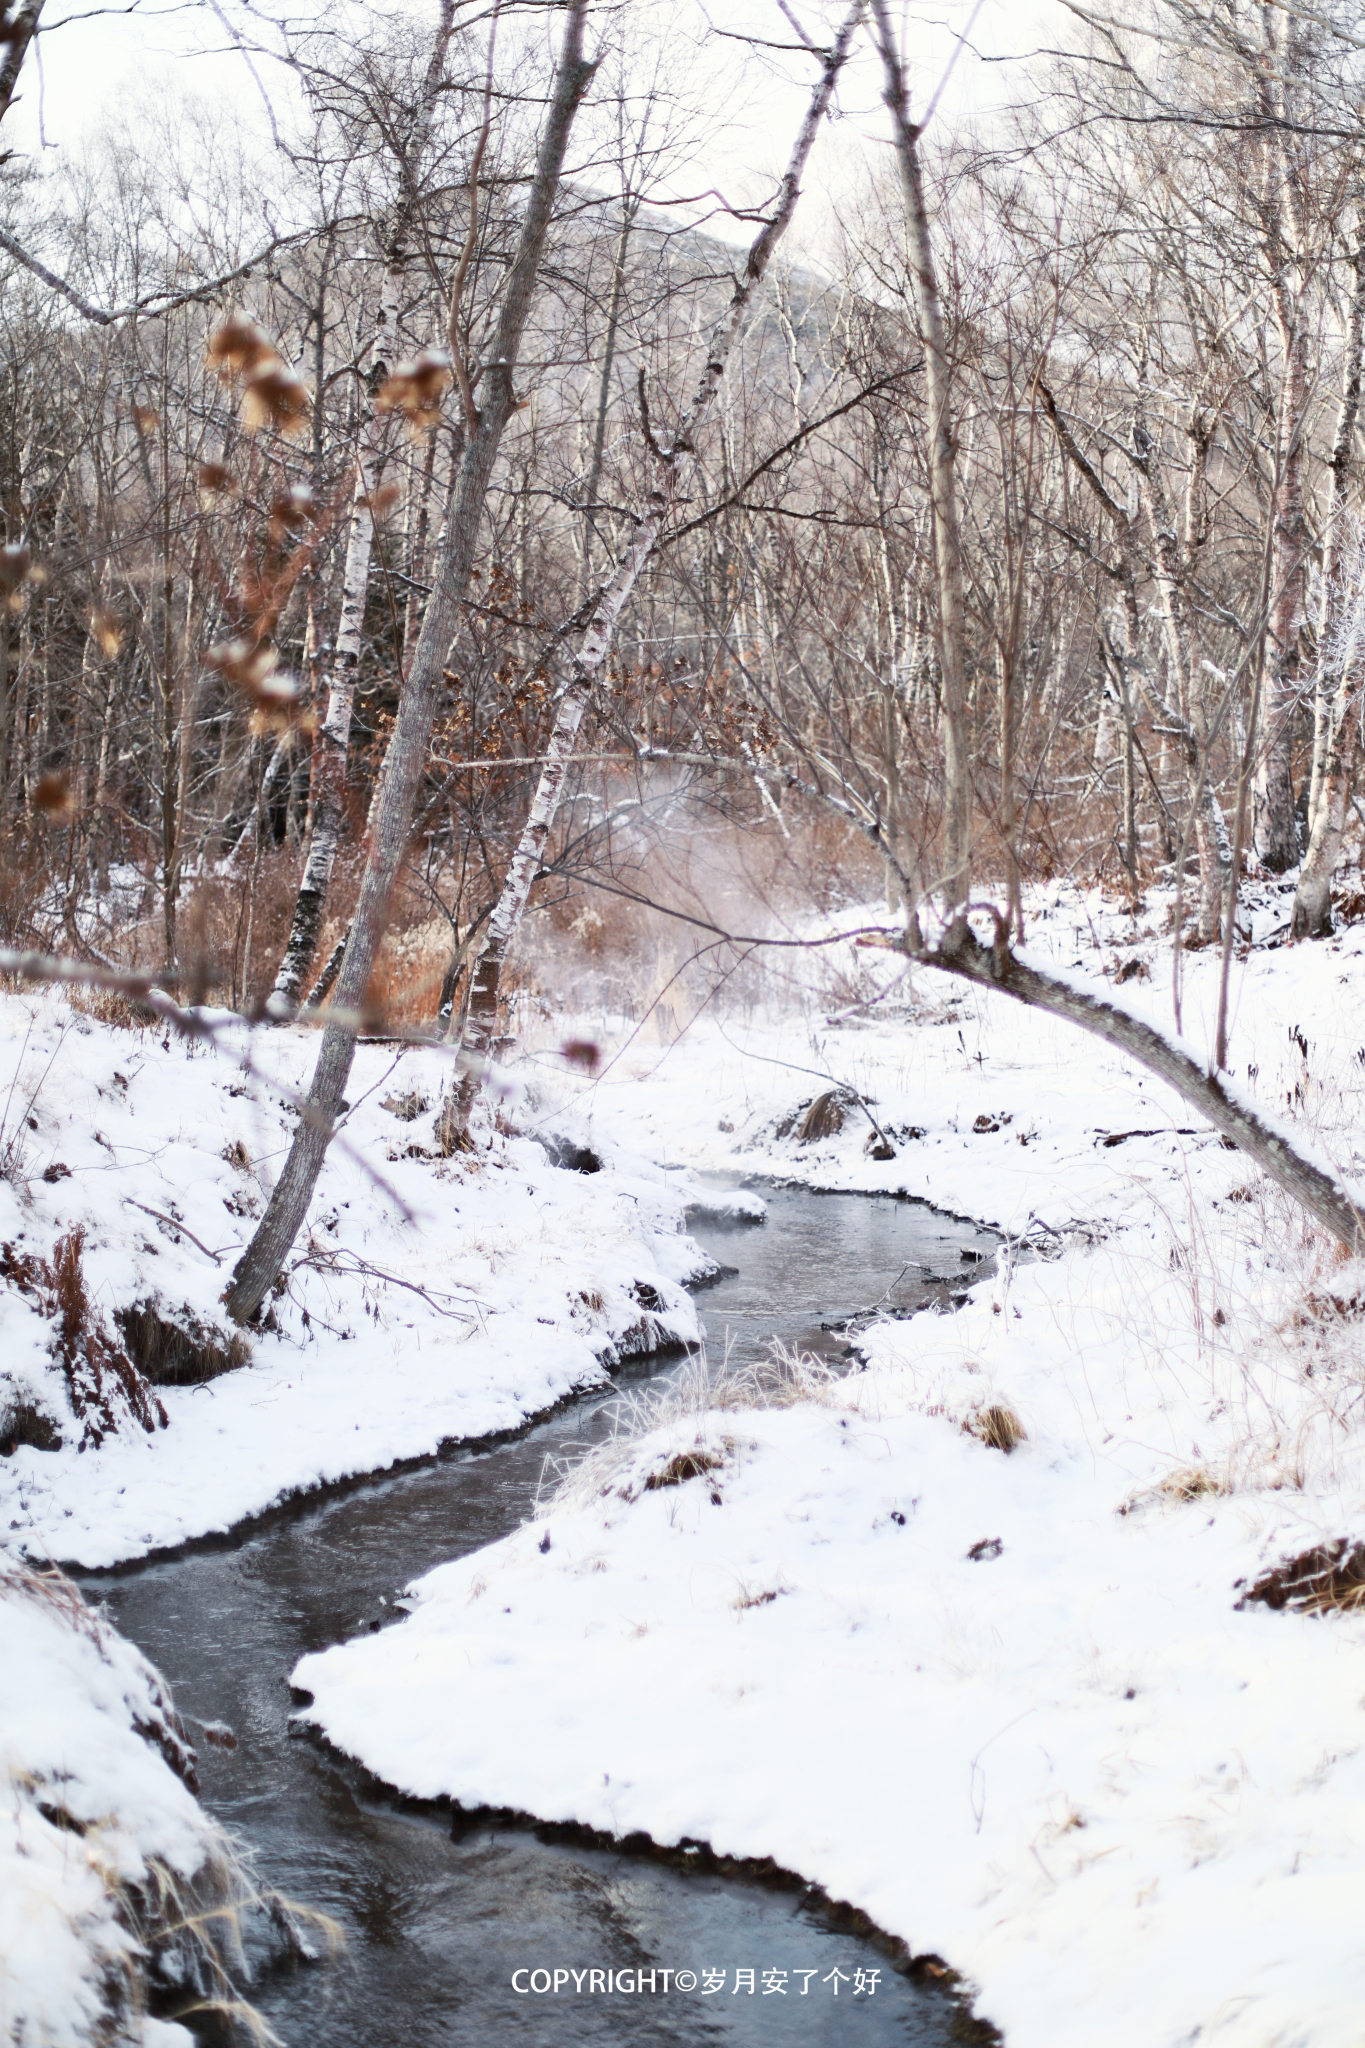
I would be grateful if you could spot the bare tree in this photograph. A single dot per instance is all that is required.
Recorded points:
(668, 465)
(407, 751)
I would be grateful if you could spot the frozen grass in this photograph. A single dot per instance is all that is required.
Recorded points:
(643, 1452)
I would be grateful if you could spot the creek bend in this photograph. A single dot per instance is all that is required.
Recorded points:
(435, 1919)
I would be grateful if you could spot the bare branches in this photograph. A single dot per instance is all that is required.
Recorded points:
(153, 303)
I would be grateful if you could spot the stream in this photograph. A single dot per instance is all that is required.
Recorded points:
(437, 1918)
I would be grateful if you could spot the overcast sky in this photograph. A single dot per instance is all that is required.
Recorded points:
(98, 66)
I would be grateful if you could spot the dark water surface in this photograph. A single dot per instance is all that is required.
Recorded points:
(436, 1921)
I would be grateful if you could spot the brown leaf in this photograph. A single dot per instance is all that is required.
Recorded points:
(582, 1052)
(106, 632)
(216, 482)
(52, 796)
(240, 346)
(273, 396)
(415, 388)
(16, 562)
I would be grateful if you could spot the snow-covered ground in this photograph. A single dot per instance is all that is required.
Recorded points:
(426, 1300)
(1006, 1703)
(113, 1880)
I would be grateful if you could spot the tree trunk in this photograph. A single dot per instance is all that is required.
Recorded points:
(1275, 829)
(1313, 897)
(957, 810)
(20, 28)
(998, 968)
(406, 759)
(1333, 536)
(575, 688)
(334, 738)
(1336, 724)
(1275, 833)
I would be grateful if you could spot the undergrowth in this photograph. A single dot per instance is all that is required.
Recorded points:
(103, 1383)
(696, 1391)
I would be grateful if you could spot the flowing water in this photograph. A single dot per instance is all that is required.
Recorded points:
(436, 1918)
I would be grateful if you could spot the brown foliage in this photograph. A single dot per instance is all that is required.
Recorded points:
(97, 1369)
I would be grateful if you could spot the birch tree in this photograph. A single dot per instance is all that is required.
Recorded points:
(405, 759)
(669, 464)
(333, 740)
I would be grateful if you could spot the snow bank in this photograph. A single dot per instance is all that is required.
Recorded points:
(103, 1847)
(1008, 1705)
(1003, 1704)
(425, 1301)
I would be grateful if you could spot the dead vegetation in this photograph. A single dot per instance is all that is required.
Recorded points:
(692, 1395)
(996, 1426)
(183, 1951)
(824, 1118)
(1328, 1579)
(685, 1465)
(105, 1388)
(1188, 1483)
(175, 1347)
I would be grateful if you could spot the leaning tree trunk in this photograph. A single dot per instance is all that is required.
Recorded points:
(957, 818)
(668, 467)
(334, 737)
(997, 967)
(406, 759)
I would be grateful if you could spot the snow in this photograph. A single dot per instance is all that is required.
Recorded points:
(1008, 1705)
(427, 1301)
(93, 1805)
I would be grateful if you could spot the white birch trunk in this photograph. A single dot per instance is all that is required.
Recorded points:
(409, 747)
(575, 687)
(957, 767)
(334, 738)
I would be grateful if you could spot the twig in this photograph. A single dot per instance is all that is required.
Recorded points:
(175, 1224)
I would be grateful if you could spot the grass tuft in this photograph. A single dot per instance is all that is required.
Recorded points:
(997, 1426)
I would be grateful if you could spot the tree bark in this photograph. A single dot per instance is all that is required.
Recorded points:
(406, 758)
(575, 687)
(1313, 897)
(1333, 529)
(1336, 725)
(957, 810)
(1275, 828)
(20, 25)
(334, 738)
(997, 967)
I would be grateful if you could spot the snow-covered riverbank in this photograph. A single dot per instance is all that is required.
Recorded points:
(113, 1881)
(1007, 1703)
(428, 1301)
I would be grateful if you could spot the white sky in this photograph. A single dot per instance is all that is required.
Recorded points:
(94, 67)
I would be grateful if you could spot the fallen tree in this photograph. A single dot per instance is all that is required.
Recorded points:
(997, 966)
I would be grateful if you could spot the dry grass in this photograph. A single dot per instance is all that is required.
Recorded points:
(996, 1425)
(685, 1465)
(694, 1394)
(1187, 1483)
(104, 1386)
(1328, 1579)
